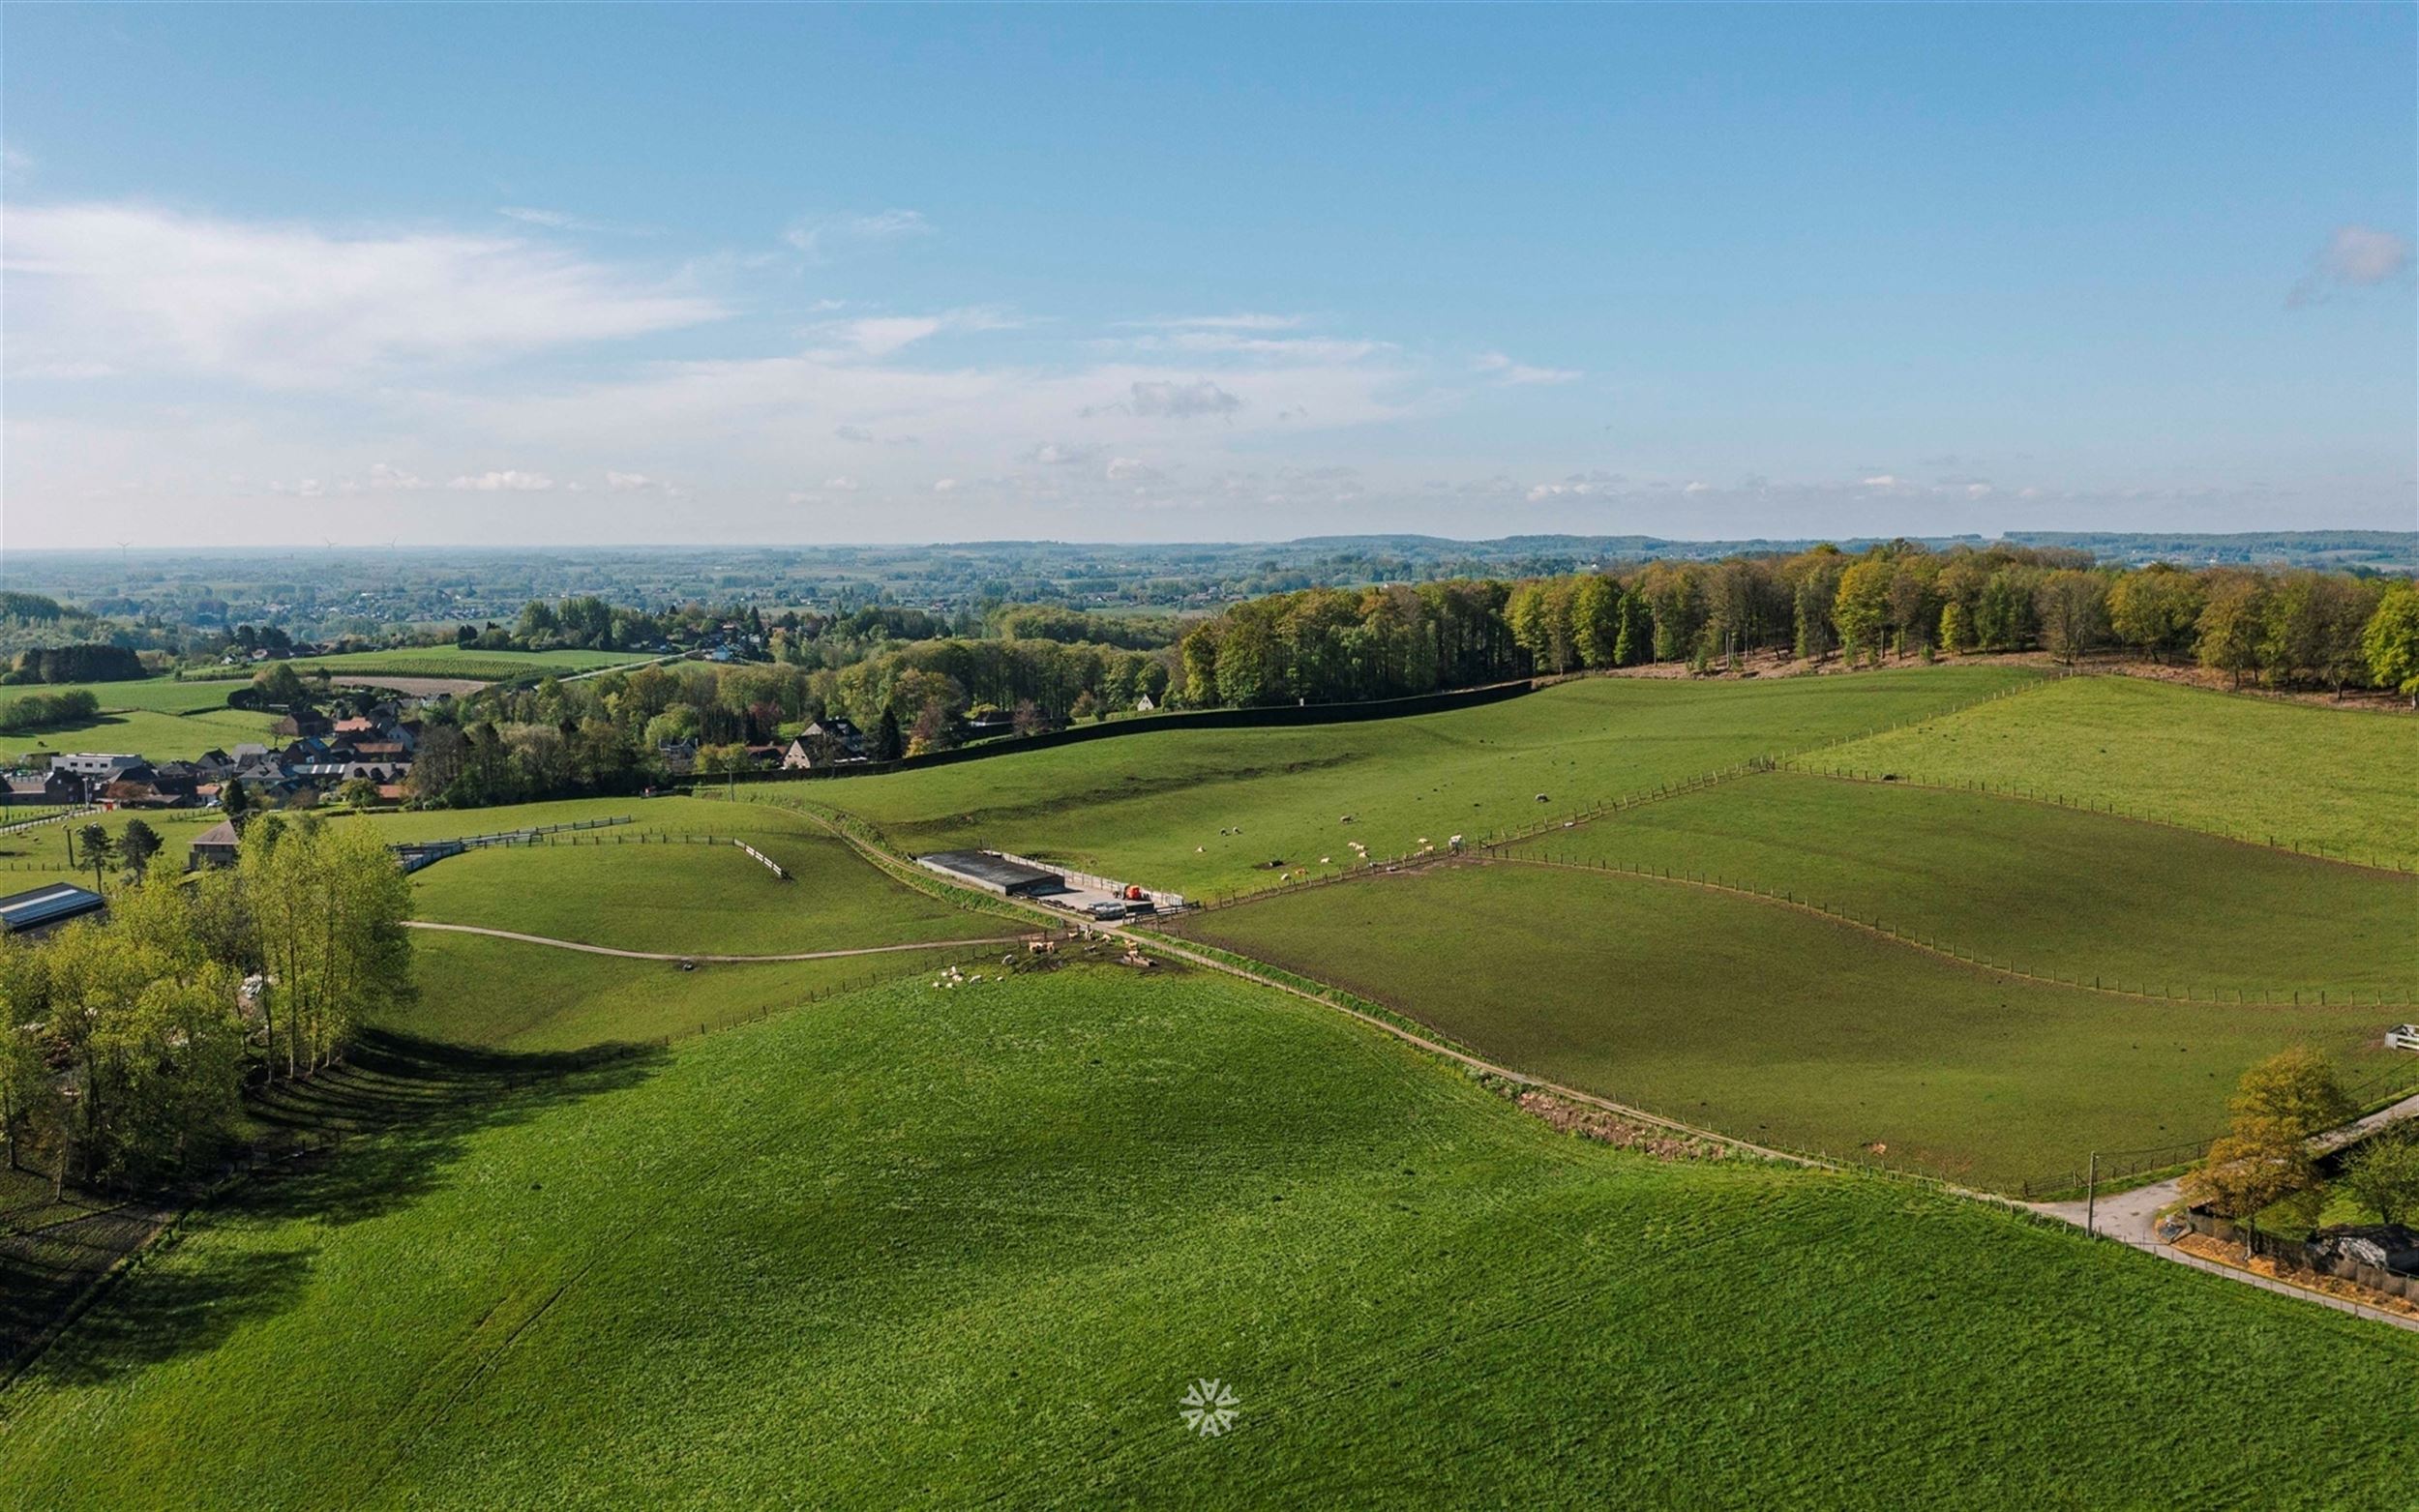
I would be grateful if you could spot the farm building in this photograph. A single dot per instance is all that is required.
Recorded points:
(993, 873)
(46, 909)
(213, 847)
(95, 763)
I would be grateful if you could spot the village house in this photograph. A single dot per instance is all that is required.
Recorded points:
(212, 847)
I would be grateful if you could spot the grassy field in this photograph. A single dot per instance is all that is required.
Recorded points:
(2054, 891)
(43, 850)
(603, 888)
(450, 661)
(507, 994)
(2342, 780)
(924, 1248)
(158, 717)
(156, 695)
(1202, 812)
(150, 733)
(1770, 1023)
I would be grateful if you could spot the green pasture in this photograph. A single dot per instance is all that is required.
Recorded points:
(1770, 1023)
(1202, 812)
(150, 733)
(2055, 892)
(45, 850)
(444, 660)
(636, 888)
(936, 1248)
(476, 990)
(156, 695)
(2346, 780)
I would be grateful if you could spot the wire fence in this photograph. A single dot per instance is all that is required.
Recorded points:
(64, 815)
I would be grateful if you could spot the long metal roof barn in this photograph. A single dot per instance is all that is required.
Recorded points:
(43, 906)
(991, 871)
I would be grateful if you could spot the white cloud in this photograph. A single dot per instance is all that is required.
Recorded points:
(842, 485)
(1503, 369)
(856, 434)
(145, 290)
(1172, 400)
(1247, 321)
(1131, 469)
(385, 479)
(944, 485)
(853, 230)
(1697, 488)
(878, 336)
(627, 482)
(551, 220)
(2354, 257)
(509, 480)
(1056, 454)
(1284, 348)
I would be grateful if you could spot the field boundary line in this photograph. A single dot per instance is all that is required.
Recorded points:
(1768, 761)
(703, 956)
(2015, 793)
(1948, 953)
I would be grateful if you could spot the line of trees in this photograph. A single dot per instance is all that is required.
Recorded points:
(77, 664)
(604, 735)
(124, 1045)
(32, 711)
(2288, 628)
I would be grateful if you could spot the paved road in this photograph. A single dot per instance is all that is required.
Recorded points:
(692, 954)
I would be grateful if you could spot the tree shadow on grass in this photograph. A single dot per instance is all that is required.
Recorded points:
(370, 1137)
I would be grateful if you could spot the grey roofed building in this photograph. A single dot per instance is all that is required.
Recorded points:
(993, 873)
(213, 847)
(45, 909)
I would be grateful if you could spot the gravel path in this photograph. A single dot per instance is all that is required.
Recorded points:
(2132, 1216)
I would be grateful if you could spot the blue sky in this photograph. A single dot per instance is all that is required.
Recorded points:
(542, 275)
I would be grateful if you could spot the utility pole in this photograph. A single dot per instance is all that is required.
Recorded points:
(2091, 1196)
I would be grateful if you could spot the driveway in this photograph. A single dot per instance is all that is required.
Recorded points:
(2132, 1216)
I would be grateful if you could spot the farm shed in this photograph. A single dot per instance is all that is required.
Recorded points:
(993, 873)
(46, 908)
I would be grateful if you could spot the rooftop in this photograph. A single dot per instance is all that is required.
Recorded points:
(42, 906)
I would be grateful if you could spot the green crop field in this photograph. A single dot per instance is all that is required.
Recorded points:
(1767, 1022)
(1201, 810)
(625, 888)
(924, 1248)
(2052, 891)
(2343, 780)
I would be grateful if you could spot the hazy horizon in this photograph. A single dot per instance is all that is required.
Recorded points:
(817, 277)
